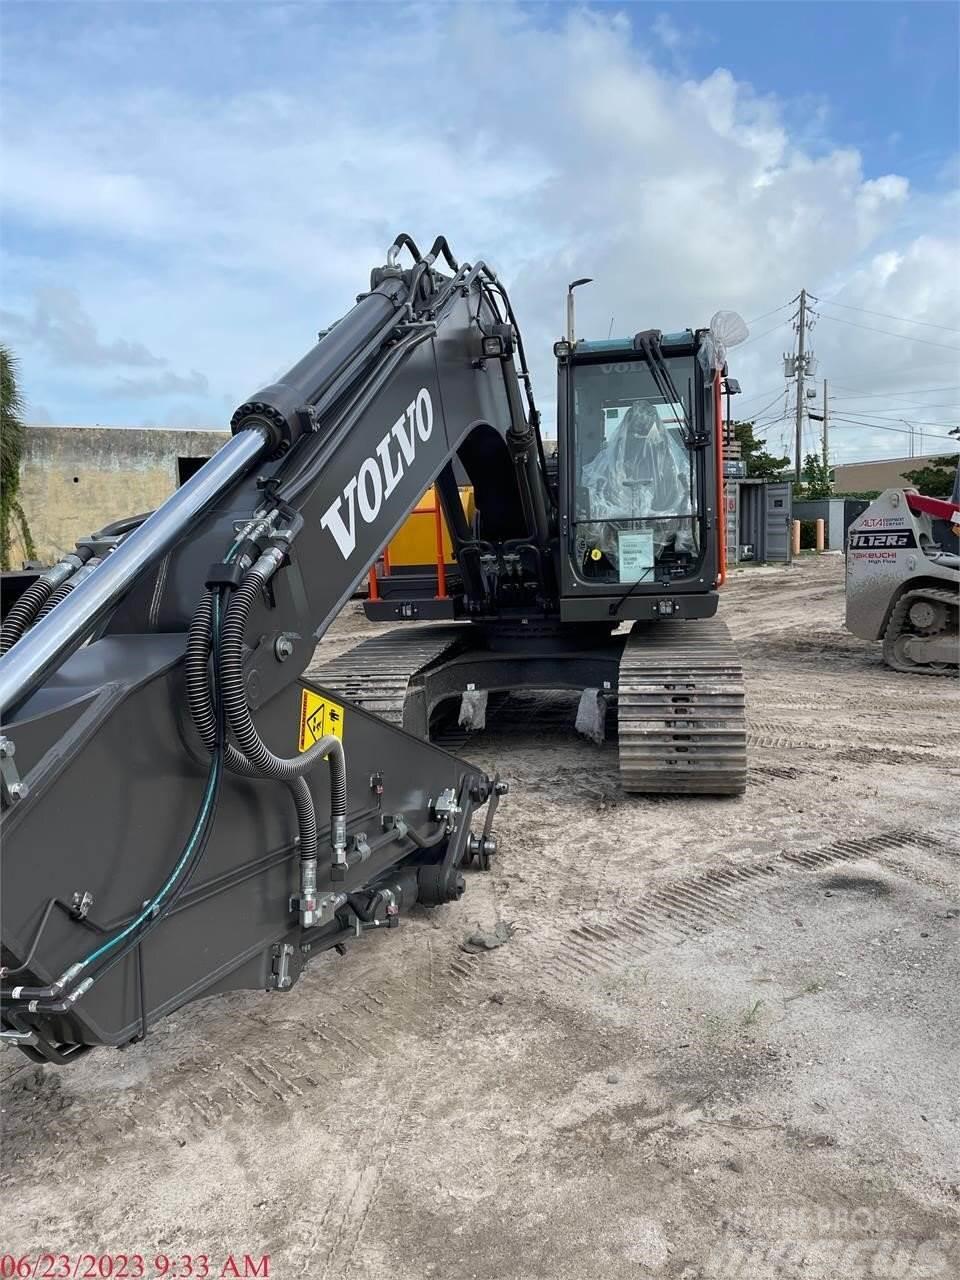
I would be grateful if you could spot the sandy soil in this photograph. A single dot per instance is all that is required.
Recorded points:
(722, 1042)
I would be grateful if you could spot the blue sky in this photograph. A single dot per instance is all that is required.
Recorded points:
(193, 189)
(881, 77)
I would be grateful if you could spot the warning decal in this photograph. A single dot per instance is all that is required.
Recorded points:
(318, 717)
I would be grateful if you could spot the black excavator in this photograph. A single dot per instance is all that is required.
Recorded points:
(623, 522)
(184, 812)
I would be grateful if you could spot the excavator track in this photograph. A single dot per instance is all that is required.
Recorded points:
(898, 633)
(376, 675)
(682, 720)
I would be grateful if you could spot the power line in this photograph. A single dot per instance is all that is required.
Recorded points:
(902, 408)
(904, 417)
(765, 334)
(891, 395)
(885, 315)
(899, 413)
(877, 426)
(782, 307)
(903, 337)
(863, 462)
(760, 412)
(784, 413)
(757, 395)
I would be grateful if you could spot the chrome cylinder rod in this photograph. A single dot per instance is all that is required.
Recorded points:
(52, 640)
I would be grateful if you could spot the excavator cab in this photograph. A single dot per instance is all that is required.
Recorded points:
(638, 475)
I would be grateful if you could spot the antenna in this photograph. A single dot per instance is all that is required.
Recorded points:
(610, 330)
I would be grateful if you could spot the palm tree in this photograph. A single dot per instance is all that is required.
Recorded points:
(12, 436)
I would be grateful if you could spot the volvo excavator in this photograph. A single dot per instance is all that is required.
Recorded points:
(185, 812)
(625, 525)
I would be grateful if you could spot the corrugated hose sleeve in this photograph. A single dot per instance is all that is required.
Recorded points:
(24, 612)
(61, 593)
(200, 702)
(233, 690)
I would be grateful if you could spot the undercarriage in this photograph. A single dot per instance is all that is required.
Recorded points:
(677, 688)
(923, 634)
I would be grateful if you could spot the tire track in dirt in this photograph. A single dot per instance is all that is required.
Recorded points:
(803, 734)
(402, 993)
(342, 1224)
(324, 1242)
(245, 1060)
(669, 913)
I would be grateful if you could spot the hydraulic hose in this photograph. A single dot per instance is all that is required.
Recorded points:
(252, 758)
(200, 702)
(440, 246)
(66, 990)
(179, 879)
(51, 641)
(26, 610)
(403, 241)
(65, 588)
(427, 842)
(53, 600)
(238, 713)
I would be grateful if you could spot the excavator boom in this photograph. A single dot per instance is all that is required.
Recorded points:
(183, 811)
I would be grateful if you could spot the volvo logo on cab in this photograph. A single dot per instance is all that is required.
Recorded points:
(379, 474)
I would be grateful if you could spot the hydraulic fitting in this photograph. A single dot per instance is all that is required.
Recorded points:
(338, 840)
(306, 903)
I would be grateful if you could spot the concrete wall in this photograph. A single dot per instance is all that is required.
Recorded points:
(75, 480)
(887, 473)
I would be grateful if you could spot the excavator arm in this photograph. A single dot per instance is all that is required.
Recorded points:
(184, 811)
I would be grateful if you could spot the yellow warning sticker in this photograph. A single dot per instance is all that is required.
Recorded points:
(318, 717)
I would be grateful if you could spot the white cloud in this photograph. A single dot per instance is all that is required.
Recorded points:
(224, 227)
(60, 324)
(167, 383)
(668, 33)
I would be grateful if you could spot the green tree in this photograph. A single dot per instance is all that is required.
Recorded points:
(12, 436)
(817, 478)
(935, 480)
(758, 463)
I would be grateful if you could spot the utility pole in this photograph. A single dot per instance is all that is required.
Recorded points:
(801, 369)
(799, 365)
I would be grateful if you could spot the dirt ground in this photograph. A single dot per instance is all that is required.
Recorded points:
(723, 1040)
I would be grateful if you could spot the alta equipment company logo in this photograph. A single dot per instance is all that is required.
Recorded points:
(379, 474)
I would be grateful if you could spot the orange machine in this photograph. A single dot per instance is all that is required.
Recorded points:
(421, 549)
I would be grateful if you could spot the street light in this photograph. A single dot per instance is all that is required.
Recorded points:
(912, 429)
(570, 288)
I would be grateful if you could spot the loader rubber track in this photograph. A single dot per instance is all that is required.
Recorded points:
(376, 675)
(898, 630)
(682, 719)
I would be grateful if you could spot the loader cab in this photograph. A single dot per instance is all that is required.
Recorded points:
(638, 479)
